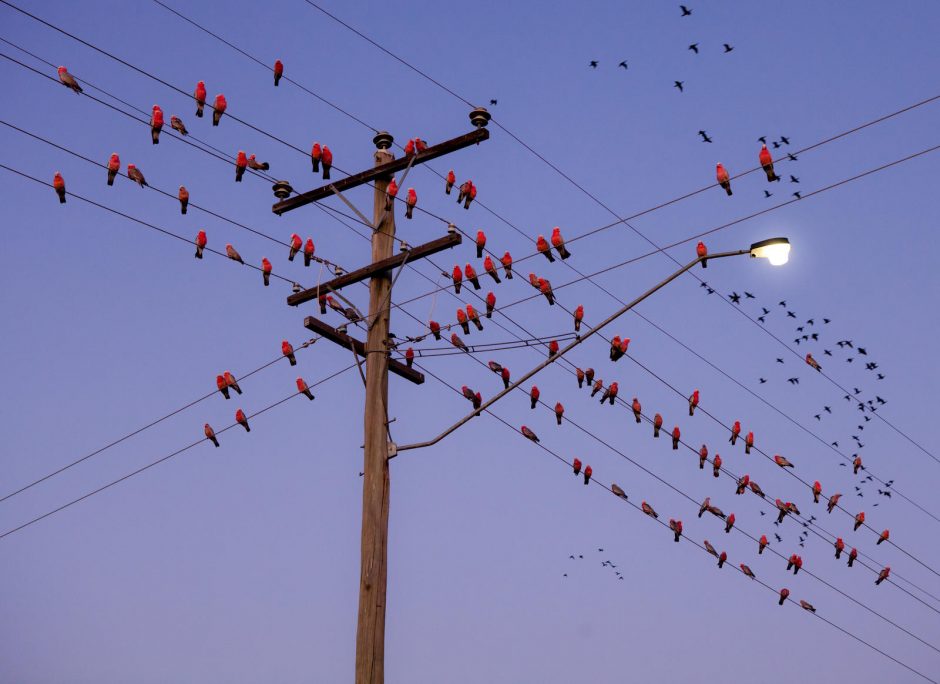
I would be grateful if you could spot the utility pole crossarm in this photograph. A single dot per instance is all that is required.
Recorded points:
(617, 314)
(385, 170)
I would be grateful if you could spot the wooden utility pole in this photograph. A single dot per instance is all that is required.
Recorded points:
(370, 634)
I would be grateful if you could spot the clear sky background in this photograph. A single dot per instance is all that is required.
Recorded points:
(241, 564)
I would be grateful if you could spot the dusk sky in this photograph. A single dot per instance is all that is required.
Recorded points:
(241, 564)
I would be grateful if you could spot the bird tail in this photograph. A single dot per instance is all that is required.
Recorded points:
(326, 172)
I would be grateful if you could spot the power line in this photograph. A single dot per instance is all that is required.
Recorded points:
(164, 458)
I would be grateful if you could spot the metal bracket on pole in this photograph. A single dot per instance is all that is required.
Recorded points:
(392, 450)
(353, 207)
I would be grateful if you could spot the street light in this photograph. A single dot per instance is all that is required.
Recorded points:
(775, 250)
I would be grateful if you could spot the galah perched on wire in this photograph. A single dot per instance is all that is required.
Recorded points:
(598, 386)
(409, 149)
(68, 80)
(552, 348)
(615, 348)
(762, 544)
(316, 153)
(457, 276)
(303, 389)
(210, 434)
(471, 195)
(327, 159)
(729, 522)
(806, 605)
(177, 125)
(233, 254)
(278, 71)
(853, 554)
(722, 558)
(624, 346)
(531, 435)
(813, 363)
(135, 175)
(266, 269)
(883, 537)
(578, 317)
(756, 489)
(477, 400)
(610, 393)
(839, 545)
(449, 183)
(218, 109)
(559, 411)
(735, 431)
(232, 382)
(657, 424)
(222, 386)
(576, 466)
(856, 464)
(833, 502)
(748, 442)
(156, 124)
(471, 275)
(462, 320)
(459, 343)
(782, 462)
(615, 488)
(435, 329)
(481, 243)
(702, 457)
(322, 301)
(743, 482)
(817, 490)
(295, 244)
(534, 280)
(883, 575)
(504, 374)
(711, 549)
(637, 409)
(782, 507)
(767, 163)
(184, 199)
(541, 244)
(534, 395)
(859, 520)
(200, 96)
(545, 288)
(420, 145)
(702, 251)
(589, 375)
(309, 250)
(579, 374)
(558, 242)
(706, 506)
(490, 305)
(716, 465)
(464, 191)
(507, 265)
(114, 166)
(288, 351)
(724, 180)
(693, 402)
(410, 202)
(58, 183)
(675, 437)
(795, 562)
(747, 571)
(468, 393)
(646, 508)
(391, 192)
(242, 420)
(241, 163)
(490, 268)
(784, 593)
(255, 165)
(474, 317)
(676, 527)
(409, 357)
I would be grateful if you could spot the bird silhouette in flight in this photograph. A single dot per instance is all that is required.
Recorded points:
(768, 194)
(735, 297)
(728, 48)
(798, 195)
(794, 179)
(762, 140)
(827, 352)
(492, 102)
(705, 137)
(827, 409)
(623, 64)
(791, 157)
(779, 360)
(762, 380)
(593, 64)
(678, 84)
(785, 140)
(790, 314)
(765, 310)
(776, 145)
(793, 381)
(880, 376)
(686, 12)
(782, 303)
(861, 350)
(749, 295)
(694, 47)
(762, 319)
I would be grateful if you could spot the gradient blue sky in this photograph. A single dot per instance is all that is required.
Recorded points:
(242, 564)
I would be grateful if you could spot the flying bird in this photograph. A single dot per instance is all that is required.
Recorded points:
(686, 12)
(678, 84)
(728, 48)
(705, 137)
(593, 64)
(694, 48)
(623, 64)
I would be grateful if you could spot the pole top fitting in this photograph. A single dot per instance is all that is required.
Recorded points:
(383, 140)
(404, 247)
(297, 288)
(452, 229)
(479, 117)
(282, 189)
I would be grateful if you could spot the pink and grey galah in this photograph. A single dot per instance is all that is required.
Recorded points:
(716, 465)
(859, 520)
(598, 386)
(481, 243)
(784, 593)
(702, 251)
(702, 457)
(782, 507)
(255, 165)
(156, 124)
(579, 374)
(587, 474)
(711, 549)
(183, 196)
(218, 109)
(552, 348)
(729, 523)
(856, 465)
(813, 363)
(210, 434)
(435, 329)
(817, 490)
(242, 420)
(767, 163)
(316, 153)
(222, 386)
(58, 183)
(735, 431)
(474, 317)
(278, 71)
(468, 393)
(462, 320)
(637, 409)
(649, 510)
(241, 163)
(409, 357)
(615, 348)
(756, 489)
(676, 527)
(449, 183)
(559, 412)
(610, 394)
(507, 265)
(748, 442)
(114, 166)
(833, 502)
(617, 491)
(534, 395)
(266, 269)
(883, 537)
(457, 277)
(303, 389)
(490, 304)
(295, 244)
(724, 180)
(782, 462)
(806, 605)
(233, 254)
(68, 80)
(883, 575)
(135, 175)
(722, 558)
(853, 554)
(490, 268)
(327, 160)
(232, 382)
(743, 482)
(747, 571)
(545, 288)
(471, 275)
(558, 242)
(199, 94)
(459, 343)
(531, 435)
(541, 244)
(693, 402)
(391, 192)
(409, 148)
(410, 202)
(288, 350)
(657, 424)
(762, 544)
(676, 434)
(839, 545)
(578, 317)
(463, 192)
(576, 466)
(589, 375)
